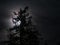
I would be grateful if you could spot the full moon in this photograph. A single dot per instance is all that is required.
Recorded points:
(12, 21)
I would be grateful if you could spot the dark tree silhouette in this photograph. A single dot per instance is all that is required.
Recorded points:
(25, 33)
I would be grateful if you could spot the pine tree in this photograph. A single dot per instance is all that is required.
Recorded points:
(23, 34)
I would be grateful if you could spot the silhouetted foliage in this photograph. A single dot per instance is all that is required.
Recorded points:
(23, 33)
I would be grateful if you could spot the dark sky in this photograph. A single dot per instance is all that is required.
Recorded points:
(46, 14)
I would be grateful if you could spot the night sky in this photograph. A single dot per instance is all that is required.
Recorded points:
(46, 15)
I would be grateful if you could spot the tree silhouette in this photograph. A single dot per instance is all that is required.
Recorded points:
(24, 33)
